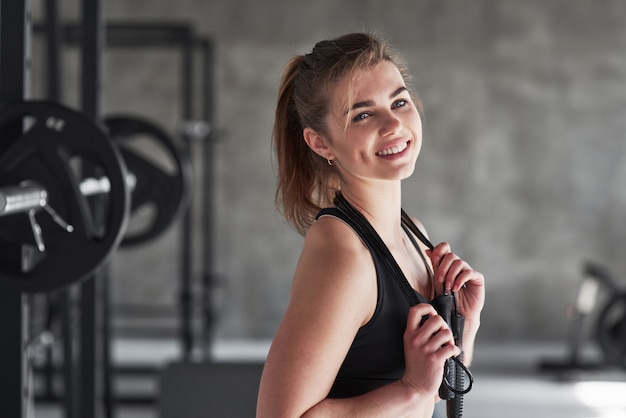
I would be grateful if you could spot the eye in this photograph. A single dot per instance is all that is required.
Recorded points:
(361, 116)
(400, 103)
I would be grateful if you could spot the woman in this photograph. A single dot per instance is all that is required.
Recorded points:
(347, 132)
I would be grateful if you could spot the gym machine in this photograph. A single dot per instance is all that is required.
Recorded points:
(66, 196)
(162, 188)
(92, 185)
(21, 149)
(195, 128)
(600, 305)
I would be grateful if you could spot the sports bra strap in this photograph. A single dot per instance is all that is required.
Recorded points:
(406, 220)
(370, 237)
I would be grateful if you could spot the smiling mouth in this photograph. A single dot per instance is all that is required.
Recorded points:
(393, 150)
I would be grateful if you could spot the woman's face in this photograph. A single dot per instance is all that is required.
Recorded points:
(379, 135)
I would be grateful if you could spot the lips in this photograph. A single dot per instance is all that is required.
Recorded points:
(396, 149)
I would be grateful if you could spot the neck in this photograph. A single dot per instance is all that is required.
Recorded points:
(381, 207)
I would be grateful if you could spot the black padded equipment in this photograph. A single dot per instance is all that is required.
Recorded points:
(209, 389)
(611, 330)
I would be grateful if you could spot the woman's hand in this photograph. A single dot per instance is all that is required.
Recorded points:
(459, 277)
(428, 343)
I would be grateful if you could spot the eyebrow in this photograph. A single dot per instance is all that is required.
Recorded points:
(367, 103)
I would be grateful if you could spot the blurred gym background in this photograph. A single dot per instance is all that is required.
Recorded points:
(522, 170)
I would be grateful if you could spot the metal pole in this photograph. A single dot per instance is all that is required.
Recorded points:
(186, 294)
(14, 85)
(208, 281)
(61, 297)
(53, 51)
(92, 341)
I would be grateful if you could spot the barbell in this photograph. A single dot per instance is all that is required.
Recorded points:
(66, 187)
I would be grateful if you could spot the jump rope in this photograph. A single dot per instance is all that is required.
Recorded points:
(453, 385)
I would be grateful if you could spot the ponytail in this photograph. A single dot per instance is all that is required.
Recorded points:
(300, 177)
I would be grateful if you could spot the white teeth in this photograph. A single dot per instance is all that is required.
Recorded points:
(393, 150)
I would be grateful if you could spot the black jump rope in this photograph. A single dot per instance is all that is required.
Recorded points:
(453, 385)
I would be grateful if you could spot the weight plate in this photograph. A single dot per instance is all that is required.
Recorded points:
(162, 174)
(55, 149)
(611, 330)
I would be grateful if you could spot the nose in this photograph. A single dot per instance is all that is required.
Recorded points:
(390, 124)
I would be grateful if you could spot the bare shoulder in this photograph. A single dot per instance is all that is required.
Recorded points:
(332, 234)
(336, 247)
(336, 266)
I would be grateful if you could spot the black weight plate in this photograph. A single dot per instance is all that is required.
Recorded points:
(611, 330)
(56, 142)
(166, 191)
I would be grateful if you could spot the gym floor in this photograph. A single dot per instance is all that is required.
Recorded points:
(509, 381)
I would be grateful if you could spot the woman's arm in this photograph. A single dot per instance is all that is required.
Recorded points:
(333, 294)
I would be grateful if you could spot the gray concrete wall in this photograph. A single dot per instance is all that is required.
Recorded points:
(524, 160)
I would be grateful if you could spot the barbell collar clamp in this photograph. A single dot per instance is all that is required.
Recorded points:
(94, 186)
(29, 197)
(22, 198)
(36, 230)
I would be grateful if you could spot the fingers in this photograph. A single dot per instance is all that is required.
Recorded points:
(427, 329)
(449, 268)
(417, 315)
(428, 343)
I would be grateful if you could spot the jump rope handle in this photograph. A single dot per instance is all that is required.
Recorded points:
(443, 306)
(452, 386)
(454, 406)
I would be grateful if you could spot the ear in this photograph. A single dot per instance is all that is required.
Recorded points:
(317, 143)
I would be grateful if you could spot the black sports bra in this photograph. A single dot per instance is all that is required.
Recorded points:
(376, 356)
